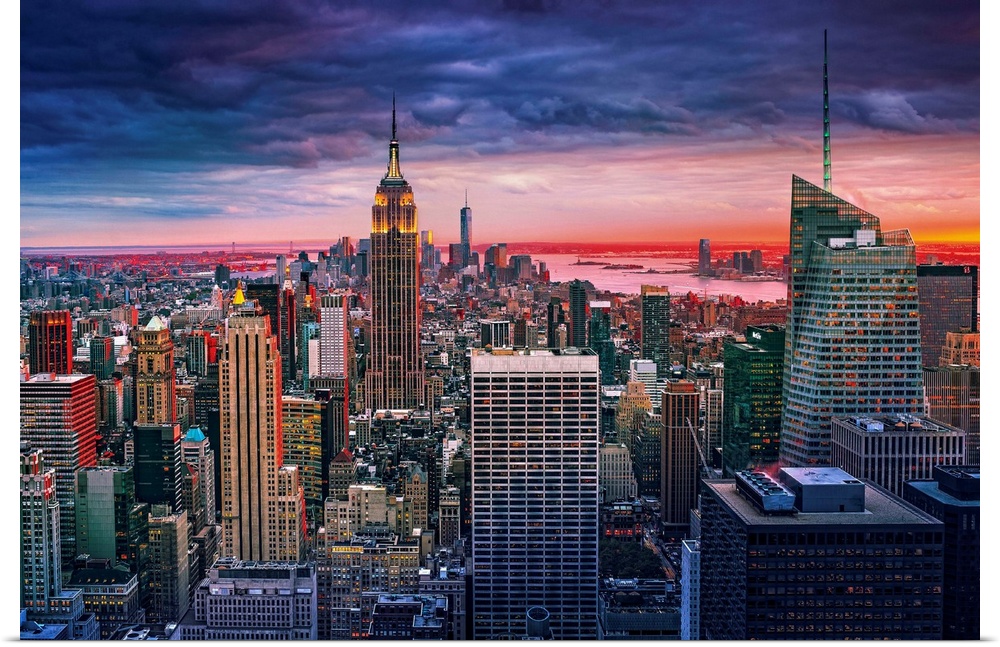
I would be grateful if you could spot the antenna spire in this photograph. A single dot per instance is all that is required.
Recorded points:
(394, 105)
(827, 177)
(466, 198)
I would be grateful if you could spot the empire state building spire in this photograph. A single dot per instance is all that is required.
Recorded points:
(827, 178)
(393, 175)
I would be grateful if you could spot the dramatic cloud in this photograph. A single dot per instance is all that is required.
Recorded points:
(140, 111)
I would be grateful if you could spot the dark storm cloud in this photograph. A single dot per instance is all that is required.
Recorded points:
(293, 83)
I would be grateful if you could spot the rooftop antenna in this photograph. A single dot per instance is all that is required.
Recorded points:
(394, 114)
(466, 198)
(827, 179)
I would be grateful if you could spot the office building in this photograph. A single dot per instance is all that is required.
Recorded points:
(680, 465)
(862, 564)
(302, 445)
(41, 574)
(494, 333)
(59, 418)
(535, 490)
(394, 378)
(751, 419)
(102, 357)
(646, 449)
(949, 296)
(110, 523)
(156, 390)
(465, 232)
(961, 347)
(890, 450)
(636, 609)
(168, 565)
(645, 371)
(691, 589)
(655, 328)
(336, 342)
(287, 328)
(197, 452)
(599, 338)
(158, 475)
(704, 257)
(952, 497)
(241, 600)
(50, 342)
(615, 474)
(849, 350)
(577, 314)
(110, 593)
(449, 518)
(953, 398)
(409, 617)
(556, 317)
(633, 405)
(255, 486)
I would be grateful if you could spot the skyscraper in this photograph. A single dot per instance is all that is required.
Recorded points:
(41, 575)
(704, 257)
(577, 314)
(600, 339)
(50, 342)
(535, 491)
(556, 318)
(158, 475)
(679, 461)
(102, 357)
(394, 379)
(59, 417)
(156, 396)
(251, 448)
(655, 327)
(335, 336)
(850, 350)
(948, 303)
(751, 421)
(953, 396)
(465, 224)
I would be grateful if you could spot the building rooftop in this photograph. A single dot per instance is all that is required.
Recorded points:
(881, 508)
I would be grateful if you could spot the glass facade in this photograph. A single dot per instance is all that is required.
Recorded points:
(751, 421)
(852, 344)
(948, 299)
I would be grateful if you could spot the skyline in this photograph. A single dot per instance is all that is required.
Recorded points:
(221, 124)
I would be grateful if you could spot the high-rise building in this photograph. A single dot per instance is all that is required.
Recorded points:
(197, 452)
(751, 419)
(253, 483)
(427, 249)
(41, 573)
(690, 589)
(556, 318)
(577, 314)
(952, 496)
(241, 600)
(286, 333)
(394, 378)
(953, 397)
(633, 405)
(949, 297)
(59, 417)
(849, 350)
(494, 333)
(102, 357)
(50, 342)
(158, 475)
(156, 396)
(645, 371)
(655, 327)
(301, 440)
(960, 347)
(704, 257)
(600, 339)
(616, 475)
(679, 460)
(535, 491)
(222, 275)
(891, 450)
(168, 565)
(465, 226)
(816, 554)
(110, 523)
(335, 339)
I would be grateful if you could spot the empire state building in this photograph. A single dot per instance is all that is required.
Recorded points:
(395, 378)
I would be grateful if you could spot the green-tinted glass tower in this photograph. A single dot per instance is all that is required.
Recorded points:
(655, 313)
(751, 419)
(600, 339)
(852, 340)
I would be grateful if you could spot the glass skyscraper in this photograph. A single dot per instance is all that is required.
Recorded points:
(852, 340)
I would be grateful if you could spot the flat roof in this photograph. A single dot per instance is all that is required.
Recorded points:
(931, 489)
(881, 508)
